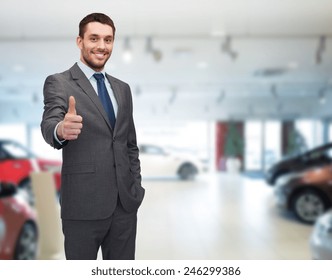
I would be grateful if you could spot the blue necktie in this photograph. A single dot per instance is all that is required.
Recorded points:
(105, 98)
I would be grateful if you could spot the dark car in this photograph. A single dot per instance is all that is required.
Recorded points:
(318, 156)
(18, 225)
(308, 194)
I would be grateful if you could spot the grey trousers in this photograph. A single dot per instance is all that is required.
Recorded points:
(116, 236)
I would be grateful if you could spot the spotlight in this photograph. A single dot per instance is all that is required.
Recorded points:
(127, 52)
(221, 96)
(156, 53)
(227, 48)
(322, 96)
(273, 91)
(174, 93)
(320, 49)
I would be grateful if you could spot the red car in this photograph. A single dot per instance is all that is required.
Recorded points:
(18, 227)
(16, 163)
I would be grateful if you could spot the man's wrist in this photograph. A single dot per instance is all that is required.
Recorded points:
(57, 134)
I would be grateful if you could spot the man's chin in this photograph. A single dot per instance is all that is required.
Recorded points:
(97, 66)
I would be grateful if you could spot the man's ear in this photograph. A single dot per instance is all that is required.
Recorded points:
(79, 41)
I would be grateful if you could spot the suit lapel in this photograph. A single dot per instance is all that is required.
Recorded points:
(86, 86)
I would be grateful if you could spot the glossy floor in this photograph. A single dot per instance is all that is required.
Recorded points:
(217, 216)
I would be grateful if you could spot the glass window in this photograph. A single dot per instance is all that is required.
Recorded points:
(263, 144)
(330, 132)
(15, 150)
(41, 148)
(312, 132)
(16, 132)
(253, 148)
(272, 138)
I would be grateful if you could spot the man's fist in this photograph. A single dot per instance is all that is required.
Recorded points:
(71, 126)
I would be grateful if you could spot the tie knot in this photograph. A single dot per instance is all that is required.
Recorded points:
(99, 76)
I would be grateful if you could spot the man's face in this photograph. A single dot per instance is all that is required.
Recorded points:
(96, 45)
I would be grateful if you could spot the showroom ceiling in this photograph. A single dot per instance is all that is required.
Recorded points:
(189, 59)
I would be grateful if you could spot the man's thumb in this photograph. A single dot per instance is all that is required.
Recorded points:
(72, 103)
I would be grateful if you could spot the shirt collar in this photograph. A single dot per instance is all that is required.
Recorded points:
(88, 72)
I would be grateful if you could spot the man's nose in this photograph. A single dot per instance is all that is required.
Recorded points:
(101, 44)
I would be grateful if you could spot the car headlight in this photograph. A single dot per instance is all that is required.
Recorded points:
(323, 225)
(283, 180)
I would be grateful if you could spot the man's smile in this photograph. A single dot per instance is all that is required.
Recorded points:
(100, 54)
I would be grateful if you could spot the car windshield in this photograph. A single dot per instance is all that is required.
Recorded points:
(152, 150)
(315, 154)
(16, 150)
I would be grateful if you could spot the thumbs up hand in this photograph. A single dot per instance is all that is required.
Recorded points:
(72, 104)
(71, 126)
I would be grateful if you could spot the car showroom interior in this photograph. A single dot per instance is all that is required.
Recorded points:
(232, 103)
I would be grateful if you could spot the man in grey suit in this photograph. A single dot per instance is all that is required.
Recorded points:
(89, 115)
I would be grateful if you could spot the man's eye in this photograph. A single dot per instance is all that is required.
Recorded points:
(108, 41)
(93, 39)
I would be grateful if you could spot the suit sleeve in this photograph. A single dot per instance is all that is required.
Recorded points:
(133, 152)
(55, 108)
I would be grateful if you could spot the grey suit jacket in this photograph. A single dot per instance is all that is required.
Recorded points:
(101, 164)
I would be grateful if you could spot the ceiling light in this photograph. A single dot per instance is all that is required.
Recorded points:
(127, 56)
(127, 52)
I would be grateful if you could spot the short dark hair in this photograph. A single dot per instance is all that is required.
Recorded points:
(95, 17)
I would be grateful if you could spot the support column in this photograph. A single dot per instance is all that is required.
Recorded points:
(221, 128)
(286, 130)
(229, 142)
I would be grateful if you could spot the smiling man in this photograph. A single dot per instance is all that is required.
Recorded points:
(89, 115)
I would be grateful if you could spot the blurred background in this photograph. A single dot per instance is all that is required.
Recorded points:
(229, 97)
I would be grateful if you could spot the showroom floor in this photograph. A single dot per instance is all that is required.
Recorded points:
(217, 216)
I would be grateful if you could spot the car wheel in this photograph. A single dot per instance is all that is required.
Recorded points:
(26, 245)
(308, 205)
(187, 171)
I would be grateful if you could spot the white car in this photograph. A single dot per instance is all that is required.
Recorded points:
(321, 238)
(156, 162)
